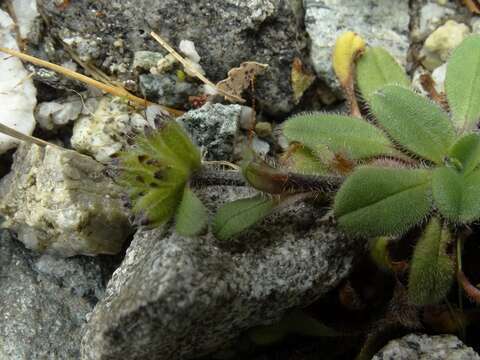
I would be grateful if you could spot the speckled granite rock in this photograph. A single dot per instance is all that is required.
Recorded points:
(167, 89)
(425, 347)
(380, 22)
(225, 33)
(59, 201)
(179, 298)
(213, 128)
(44, 302)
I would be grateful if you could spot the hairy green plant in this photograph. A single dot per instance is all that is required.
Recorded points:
(156, 173)
(431, 165)
(407, 162)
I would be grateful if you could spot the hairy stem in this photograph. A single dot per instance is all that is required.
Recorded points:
(208, 176)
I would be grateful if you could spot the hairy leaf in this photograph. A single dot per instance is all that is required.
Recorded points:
(376, 68)
(416, 123)
(432, 270)
(462, 83)
(303, 160)
(456, 195)
(467, 152)
(262, 176)
(234, 217)
(154, 172)
(158, 205)
(376, 201)
(192, 216)
(341, 134)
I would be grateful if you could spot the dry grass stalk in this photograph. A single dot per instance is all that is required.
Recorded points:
(186, 64)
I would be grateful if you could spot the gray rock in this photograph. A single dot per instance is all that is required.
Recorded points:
(425, 347)
(146, 59)
(59, 201)
(44, 302)
(179, 298)
(382, 23)
(167, 89)
(213, 128)
(430, 16)
(225, 33)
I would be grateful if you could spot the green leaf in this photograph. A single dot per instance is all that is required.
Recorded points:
(431, 270)
(376, 68)
(299, 322)
(295, 322)
(462, 83)
(234, 217)
(457, 196)
(303, 160)
(262, 176)
(155, 170)
(192, 216)
(350, 136)
(170, 145)
(376, 201)
(379, 252)
(158, 205)
(416, 123)
(467, 152)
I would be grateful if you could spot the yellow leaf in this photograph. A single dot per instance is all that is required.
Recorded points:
(348, 46)
(300, 78)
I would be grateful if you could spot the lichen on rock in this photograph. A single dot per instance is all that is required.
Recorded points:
(60, 202)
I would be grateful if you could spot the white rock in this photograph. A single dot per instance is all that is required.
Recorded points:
(441, 42)
(52, 114)
(438, 76)
(104, 132)
(17, 93)
(187, 47)
(26, 12)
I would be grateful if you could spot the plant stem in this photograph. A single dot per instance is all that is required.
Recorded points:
(295, 183)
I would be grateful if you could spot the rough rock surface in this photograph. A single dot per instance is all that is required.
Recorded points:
(166, 89)
(59, 201)
(17, 93)
(44, 302)
(440, 43)
(425, 347)
(105, 131)
(213, 128)
(225, 33)
(382, 23)
(179, 298)
(431, 14)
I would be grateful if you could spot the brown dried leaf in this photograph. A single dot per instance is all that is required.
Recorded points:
(428, 84)
(241, 77)
(473, 6)
(300, 78)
